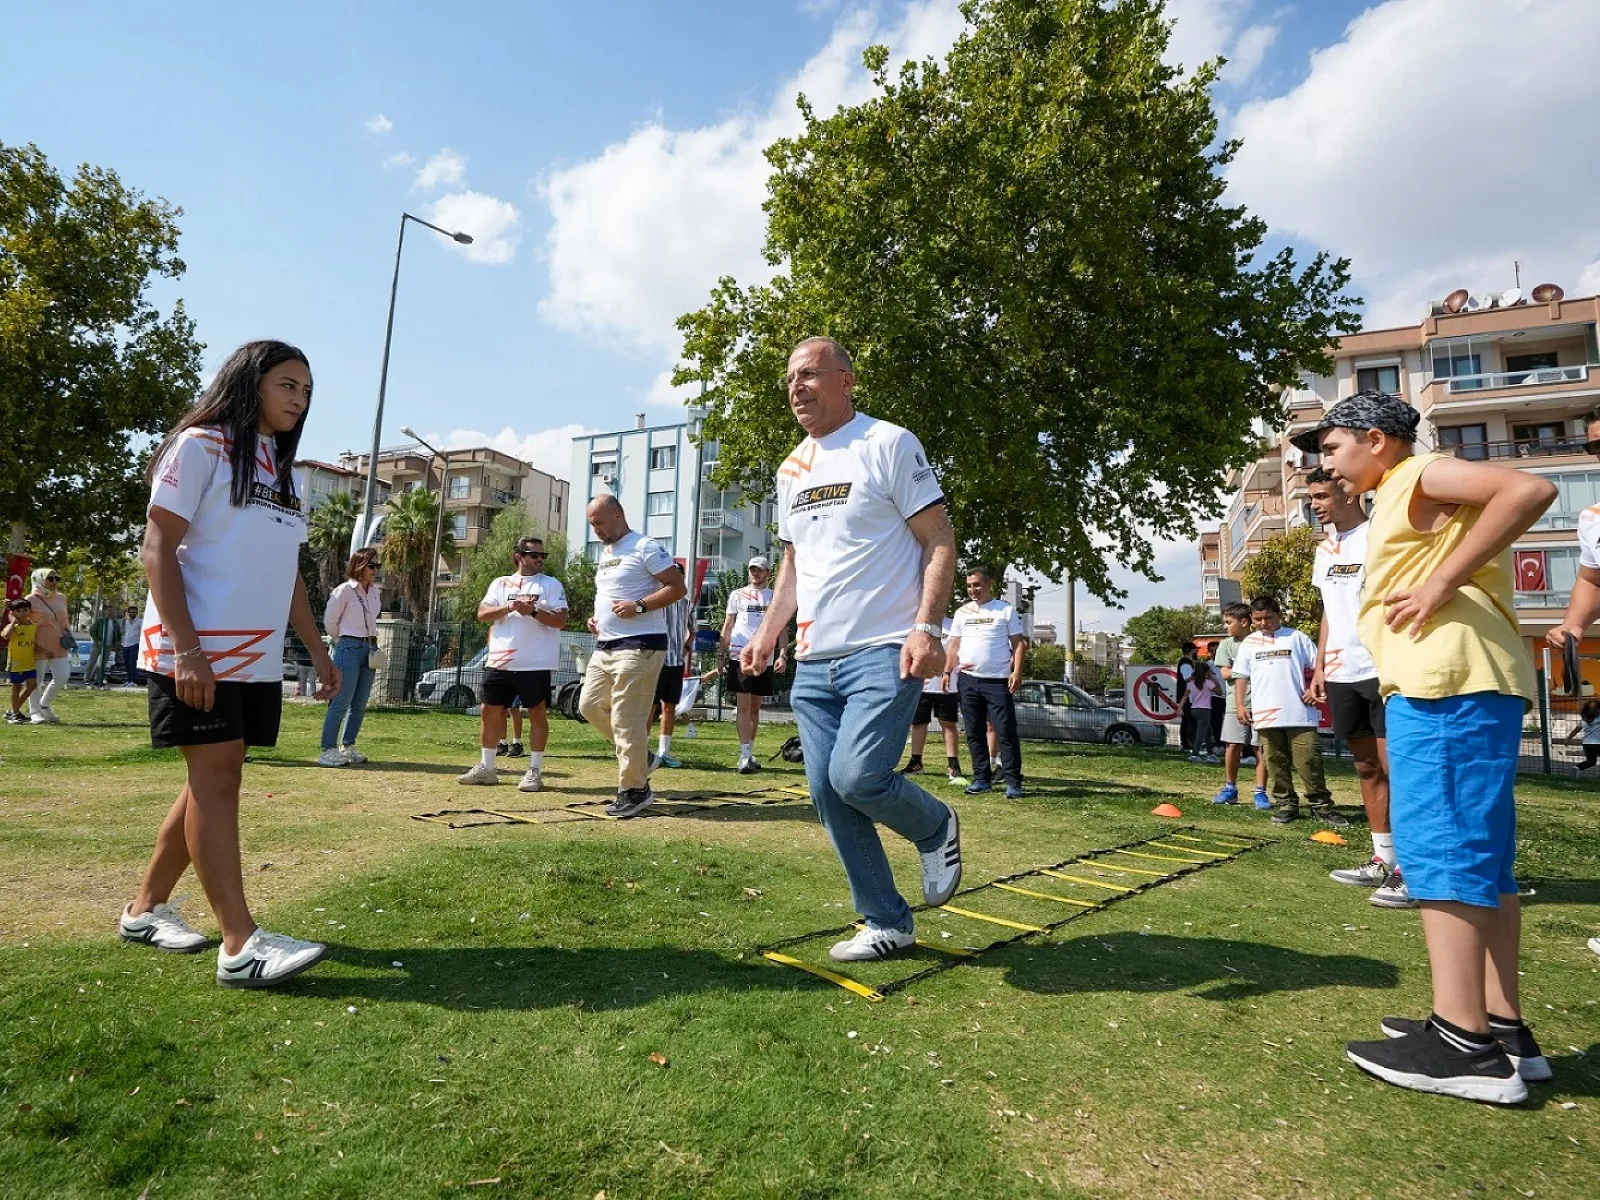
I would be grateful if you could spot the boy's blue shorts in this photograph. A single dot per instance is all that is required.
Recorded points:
(1452, 774)
(23, 676)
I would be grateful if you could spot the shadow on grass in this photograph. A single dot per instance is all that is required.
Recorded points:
(1561, 891)
(1205, 968)
(1093, 789)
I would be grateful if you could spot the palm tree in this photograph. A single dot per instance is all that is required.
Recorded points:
(409, 557)
(329, 533)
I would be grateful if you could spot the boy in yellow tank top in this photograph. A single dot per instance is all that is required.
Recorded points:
(1456, 678)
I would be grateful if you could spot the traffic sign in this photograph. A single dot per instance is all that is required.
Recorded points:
(1153, 692)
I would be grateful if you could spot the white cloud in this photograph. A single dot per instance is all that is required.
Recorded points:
(1248, 52)
(550, 450)
(380, 125)
(444, 169)
(495, 225)
(662, 392)
(641, 233)
(1434, 144)
(403, 160)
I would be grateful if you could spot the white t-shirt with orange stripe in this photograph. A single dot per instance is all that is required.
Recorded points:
(238, 564)
(843, 503)
(1339, 570)
(1278, 666)
(524, 643)
(1589, 538)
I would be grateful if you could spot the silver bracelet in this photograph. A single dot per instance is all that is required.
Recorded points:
(191, 652)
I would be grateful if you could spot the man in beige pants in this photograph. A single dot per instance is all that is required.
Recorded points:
(634, 581)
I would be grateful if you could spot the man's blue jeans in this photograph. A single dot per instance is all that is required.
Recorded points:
(355, 685)
(854, 715)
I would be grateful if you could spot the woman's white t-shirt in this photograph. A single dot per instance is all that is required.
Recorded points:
(843, 503)
(351, 612)
(523, 643)
(239, 565)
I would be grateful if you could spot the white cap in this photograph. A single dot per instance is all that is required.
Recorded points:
(760, 560)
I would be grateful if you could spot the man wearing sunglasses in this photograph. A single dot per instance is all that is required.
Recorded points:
(527, 612)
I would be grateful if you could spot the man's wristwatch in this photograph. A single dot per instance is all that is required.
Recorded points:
(638, 607)
(933, 631)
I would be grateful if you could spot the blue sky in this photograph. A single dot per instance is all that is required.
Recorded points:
(608, 157)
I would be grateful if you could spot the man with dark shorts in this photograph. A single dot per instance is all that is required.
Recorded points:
(746, 607)
(1346, 679)
(527, 612)
(945, 703)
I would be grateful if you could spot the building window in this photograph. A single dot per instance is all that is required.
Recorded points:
(1546, 433)
(663, 457)
(1529, 362)
(1465, 441)
(458, 526)
(1378, 379)
(603, 466)
(460, 486)
(555, 501)
(1453, 366)
(658, 504)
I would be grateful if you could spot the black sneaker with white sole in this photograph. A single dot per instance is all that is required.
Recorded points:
(630, 803)
(1424, 1062)
(1516, 1040)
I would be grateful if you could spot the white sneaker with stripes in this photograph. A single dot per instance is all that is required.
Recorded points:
(870, 943)
(268, 959)
(941, 868)
(162, 928)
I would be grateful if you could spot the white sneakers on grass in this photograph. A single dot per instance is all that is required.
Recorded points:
(870, 943)
(347, 757)
(162, 928)
(268, 959)
(532, 780)
(941, 867)
(479, 774)
(353, 756)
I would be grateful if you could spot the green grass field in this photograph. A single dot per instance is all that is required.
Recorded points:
(487, 1020)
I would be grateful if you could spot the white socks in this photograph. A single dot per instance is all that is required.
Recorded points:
(746, 750)
(536, 758)
(488, 755)
(663, 744)
(1383, 847)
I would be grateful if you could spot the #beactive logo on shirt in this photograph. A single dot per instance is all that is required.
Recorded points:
(1344, 570)
(609, 564)
(1263, 655)
(826, 495)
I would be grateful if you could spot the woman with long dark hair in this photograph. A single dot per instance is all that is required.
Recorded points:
(221, 551)
(351, 620)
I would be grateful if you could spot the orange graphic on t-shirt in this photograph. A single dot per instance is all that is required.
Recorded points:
(239, 650)
(795, 466)
(1331, 659)
(1259, 715)
(802, 642)
(217, 438)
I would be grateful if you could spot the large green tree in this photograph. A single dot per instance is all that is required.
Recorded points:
(1157, 633)
(1281, 568)
(91, 371)
(1028, 251)
(409, 553)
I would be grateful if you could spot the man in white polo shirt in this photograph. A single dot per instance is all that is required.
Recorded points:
(528, 611)
(987, 645)
(633, 581)
(746, 607)
(868, 560)
(1346, 679)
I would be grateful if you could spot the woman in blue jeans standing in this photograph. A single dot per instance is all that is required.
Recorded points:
(351, 620)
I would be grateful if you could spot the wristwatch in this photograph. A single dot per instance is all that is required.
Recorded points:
(638, 607)
(933, 631)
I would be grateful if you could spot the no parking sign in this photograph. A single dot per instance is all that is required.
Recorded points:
(1152, 693)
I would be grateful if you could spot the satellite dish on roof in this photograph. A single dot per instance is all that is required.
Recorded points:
(1455, 301)
(1477, 303)
(1547, 293)
(1511, 297)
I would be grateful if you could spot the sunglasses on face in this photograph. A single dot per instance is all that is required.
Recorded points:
(533, 553)
(52, 579)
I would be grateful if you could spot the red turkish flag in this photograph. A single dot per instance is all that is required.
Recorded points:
(17, 568)
(1530, 571)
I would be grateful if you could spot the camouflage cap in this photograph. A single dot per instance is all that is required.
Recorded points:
(1365, 410)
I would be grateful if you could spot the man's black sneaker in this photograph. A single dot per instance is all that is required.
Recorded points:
(1285, 816)
(1424, 1062)
(914, 767)
(1518, 1044)
(516, 750)
(630, 803)
(1333, 817)
(502, 750)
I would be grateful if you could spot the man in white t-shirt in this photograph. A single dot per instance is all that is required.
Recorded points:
(939, 699)
(527, 612)
(1275, 663)
(987, 645)
(1346, 679)
(868, 560)
(634, 581)
(746, 607)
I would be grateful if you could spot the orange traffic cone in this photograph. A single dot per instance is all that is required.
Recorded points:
(1328, 838)
(1165, 810)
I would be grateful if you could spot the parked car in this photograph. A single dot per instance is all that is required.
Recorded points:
(463, 688)
(1064, 712)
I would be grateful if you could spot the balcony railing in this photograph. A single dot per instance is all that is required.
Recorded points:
(1541, 599)
(721, 518)
(1504, 379)
(1491, 451)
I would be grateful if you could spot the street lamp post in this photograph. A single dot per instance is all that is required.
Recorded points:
(438, 528)
(363, 529)
(697, 425)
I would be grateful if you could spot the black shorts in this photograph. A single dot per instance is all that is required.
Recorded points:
(247, 712)
(502, 688)
(669, 685)
(944, 705)
(736, 681)
(1357, 709)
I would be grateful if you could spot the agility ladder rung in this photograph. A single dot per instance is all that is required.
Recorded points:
(1011, 887)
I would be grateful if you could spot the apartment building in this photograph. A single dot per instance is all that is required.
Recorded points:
(479, 484)
(1106, 649)
(320, 481)
(651, 469)
(1502, 379)
(1217, 590)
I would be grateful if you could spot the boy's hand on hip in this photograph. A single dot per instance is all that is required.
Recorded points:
(1408, 610)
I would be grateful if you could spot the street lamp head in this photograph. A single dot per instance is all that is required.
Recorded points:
(408, 431)
(464, 238)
